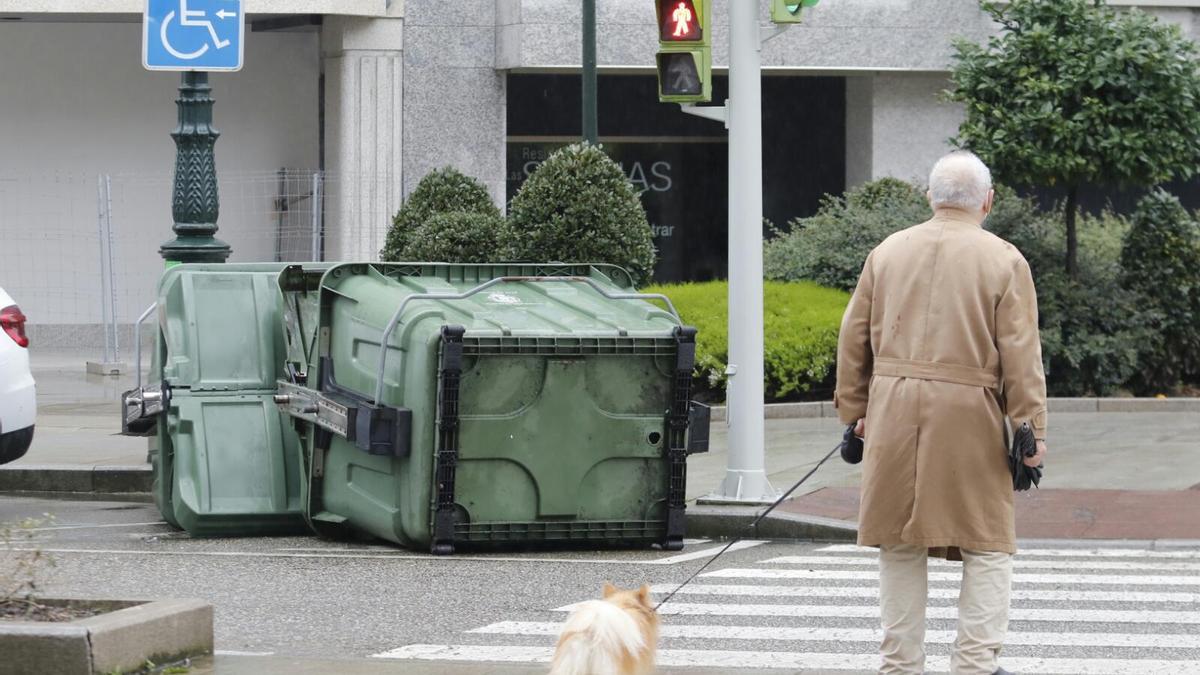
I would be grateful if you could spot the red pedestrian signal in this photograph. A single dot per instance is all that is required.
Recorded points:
(684, 57)
(679, 21)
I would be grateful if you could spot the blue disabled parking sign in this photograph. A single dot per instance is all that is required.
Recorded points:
(193, 35)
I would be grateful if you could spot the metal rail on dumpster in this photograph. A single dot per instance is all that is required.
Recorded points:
(391, 326)
(137, 342)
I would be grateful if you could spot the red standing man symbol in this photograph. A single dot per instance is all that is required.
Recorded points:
(682, 17)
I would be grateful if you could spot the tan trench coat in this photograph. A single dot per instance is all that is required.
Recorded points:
(938, 343)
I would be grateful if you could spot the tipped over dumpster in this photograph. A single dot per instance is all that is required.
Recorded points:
(438, 406)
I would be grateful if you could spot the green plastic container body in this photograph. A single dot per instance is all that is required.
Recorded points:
(227, 460)
(561, 406)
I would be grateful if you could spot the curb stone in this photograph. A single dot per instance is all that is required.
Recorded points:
(76, 478)
(121, 639)
(727, 522)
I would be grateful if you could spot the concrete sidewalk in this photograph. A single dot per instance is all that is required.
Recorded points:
(1102, 466)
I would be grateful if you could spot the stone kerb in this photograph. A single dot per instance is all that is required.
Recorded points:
(123, 638)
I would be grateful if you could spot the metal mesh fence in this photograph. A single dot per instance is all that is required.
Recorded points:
(80, 253)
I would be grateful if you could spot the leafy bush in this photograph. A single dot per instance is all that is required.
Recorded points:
(1092, 330)
(444, 190)
(456, 237)
(1161, 260)
(801, 322)
(1091, 327)
(831, 246)
(578, 206)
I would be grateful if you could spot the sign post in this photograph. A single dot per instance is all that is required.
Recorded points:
(194, 36)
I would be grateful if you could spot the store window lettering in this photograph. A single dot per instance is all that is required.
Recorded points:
(657, 179)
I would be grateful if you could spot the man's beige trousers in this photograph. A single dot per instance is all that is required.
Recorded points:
(982, 610)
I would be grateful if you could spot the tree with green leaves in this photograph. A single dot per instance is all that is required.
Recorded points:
(1072, 93)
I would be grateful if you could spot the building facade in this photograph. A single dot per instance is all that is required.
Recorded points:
(343, 105)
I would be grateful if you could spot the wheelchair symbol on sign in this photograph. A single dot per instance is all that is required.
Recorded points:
(193, 18)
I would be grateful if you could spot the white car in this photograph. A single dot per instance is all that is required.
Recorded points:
(18, 397)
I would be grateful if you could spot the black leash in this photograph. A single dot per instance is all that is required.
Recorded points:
(751, 526)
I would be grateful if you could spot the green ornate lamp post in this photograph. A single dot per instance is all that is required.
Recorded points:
(194, 203)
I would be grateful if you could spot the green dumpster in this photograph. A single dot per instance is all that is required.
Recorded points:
(514, 404)
(227, 460)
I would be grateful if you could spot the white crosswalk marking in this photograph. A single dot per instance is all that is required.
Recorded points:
(937, 593)
(1019, 563)
(1051, 553)
(1101, 579)
(1103, 611)
(870, 635)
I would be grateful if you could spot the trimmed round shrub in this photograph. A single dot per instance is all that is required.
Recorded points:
(579, 207)
(1161, 261)
(445, 190)
(801, 322)
(456, 237)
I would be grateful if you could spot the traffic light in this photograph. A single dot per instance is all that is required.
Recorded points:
(684, 56)
(788, 11)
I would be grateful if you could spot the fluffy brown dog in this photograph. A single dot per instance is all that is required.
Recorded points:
(614, 636)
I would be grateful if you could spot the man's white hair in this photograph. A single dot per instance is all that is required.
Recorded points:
(959, 180)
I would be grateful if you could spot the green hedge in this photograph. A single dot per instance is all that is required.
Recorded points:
(801, 330)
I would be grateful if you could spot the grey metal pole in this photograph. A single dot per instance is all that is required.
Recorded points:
(112, 277)
(590, 125)
(104, 277)
(315, 202)
(745, 476)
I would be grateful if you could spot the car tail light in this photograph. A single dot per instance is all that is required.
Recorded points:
(13, 323)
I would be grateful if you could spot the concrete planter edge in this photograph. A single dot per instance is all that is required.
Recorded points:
(121, 639)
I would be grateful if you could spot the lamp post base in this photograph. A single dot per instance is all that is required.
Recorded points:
(742, 487)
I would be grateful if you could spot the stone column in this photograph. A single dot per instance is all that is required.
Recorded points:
(362, 60)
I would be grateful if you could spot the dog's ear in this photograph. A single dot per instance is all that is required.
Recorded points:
(643, 594)
(609, 590)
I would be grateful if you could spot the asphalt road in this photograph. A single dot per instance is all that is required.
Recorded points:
(771, 607)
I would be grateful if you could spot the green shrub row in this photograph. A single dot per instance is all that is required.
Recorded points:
(1130, 319)
(801, 322)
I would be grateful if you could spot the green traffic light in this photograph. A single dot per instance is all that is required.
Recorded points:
(793, 7)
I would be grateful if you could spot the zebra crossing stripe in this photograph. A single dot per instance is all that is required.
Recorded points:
(872, 612)
(705, 553)
(867, 635)
(1018, 562)
(939, 593)
(683, 658)
(1100, 579)
(1051, 552)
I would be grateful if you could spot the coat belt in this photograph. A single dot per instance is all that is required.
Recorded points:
(942, 372)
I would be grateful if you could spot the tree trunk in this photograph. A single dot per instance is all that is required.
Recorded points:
(1072, 236)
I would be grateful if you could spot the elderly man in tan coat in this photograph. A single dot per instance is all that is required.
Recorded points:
(938, 345)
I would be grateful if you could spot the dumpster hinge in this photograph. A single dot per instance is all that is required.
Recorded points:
(141, 407)
(450, 373)
(676, 434)
(374, 429)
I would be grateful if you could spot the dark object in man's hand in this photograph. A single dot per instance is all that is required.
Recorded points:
(1023, 445)
(852, 446)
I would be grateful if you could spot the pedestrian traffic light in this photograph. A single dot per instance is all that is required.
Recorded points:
(684, 56)
(788, 11)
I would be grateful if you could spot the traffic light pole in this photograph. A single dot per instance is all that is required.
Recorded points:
(745, 475)
(590, 132)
